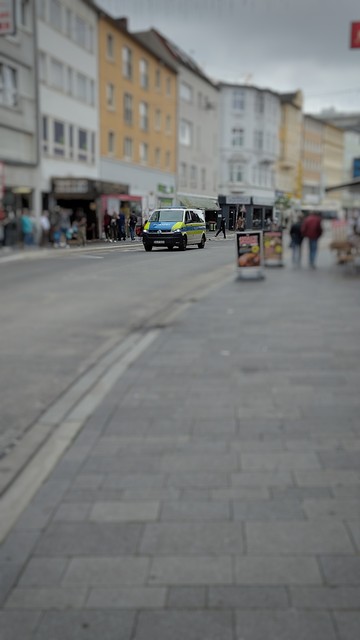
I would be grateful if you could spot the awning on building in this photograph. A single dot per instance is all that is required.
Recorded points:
(199, 202)
(351, 185)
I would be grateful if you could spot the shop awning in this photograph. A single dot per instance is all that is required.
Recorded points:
(199, 202)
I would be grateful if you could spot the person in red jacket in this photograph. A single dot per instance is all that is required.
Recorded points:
(311, 228)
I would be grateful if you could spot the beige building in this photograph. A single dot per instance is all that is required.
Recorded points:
(289, 168)
(138, 115)
(333, 160)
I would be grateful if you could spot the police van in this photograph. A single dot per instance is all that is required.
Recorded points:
(175, 227)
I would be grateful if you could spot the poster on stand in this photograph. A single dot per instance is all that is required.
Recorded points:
(249, 253)
(273, 248)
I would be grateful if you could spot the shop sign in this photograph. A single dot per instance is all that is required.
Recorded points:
(7, 17)
(273, 248)
(164, 188)
(249, 249)
(70, 185)
(355, 35)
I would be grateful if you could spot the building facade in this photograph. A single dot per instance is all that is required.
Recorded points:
(68, 77)
(289, 166)
(312, 160)
(197, 125)
(138, 97)
(333, 160)
(249, 122)
(19, 112)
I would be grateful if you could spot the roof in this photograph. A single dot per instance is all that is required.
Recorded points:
(237, 85)
(173, 52)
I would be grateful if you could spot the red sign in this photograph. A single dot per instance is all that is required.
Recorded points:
(7, 17)
(355, 35)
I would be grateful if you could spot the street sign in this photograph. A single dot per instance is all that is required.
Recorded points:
(355, 35)
(7, 17)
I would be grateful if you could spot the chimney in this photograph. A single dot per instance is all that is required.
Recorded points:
(122, 23)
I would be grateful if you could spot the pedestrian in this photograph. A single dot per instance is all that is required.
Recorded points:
(121, 227)
(45, 229)
(240, 224)
(114, 227)
(311, 228)
(27, 228)
(296, 241)
(222, 227)
(64, 227)
(107, 229)
(81, 228)
(132, 225)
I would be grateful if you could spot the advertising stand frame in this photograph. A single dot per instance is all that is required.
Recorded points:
(273, 247)
(249, 255)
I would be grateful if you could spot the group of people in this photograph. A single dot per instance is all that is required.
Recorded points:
(55, 229)
(309, 227)
(115, 226)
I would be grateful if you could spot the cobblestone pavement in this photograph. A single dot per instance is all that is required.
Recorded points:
(214, 495)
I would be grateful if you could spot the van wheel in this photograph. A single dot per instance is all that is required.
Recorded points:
(183, 245)
(201, 244)
(148, 247)
(170, 247)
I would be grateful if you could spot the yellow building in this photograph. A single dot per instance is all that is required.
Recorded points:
(333, 160)
(289, 170)
(312, 160)
(138, 115)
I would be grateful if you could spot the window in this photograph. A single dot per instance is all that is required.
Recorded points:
(168, 86)
(93, 147)
(42, 66)
(92, 92)
(128, 148)
(186, 133)
(59, 138)
(45, 134)
(143, 152)
(110, 96)
(128, 108)
(235, 172)
(144, 74)
(237, 137)
(144, 117)
(203, 179)
(57, 74)
(71, 141)
(258, 140)
(69, 81)
(111, 143)
(167, 159)
(41, 9)
(183, 174)
(168, 124)
(186, 92)
(81, 32)
(193, 176)
(157, 156)
(56, 14)
(259, 103)
(81, 87)
(110, 46)
(127, 62)
(82, 144)
(25, 13)
(200, 100)
(158, 120)
(239, 99)
(69, 23)
(90, 44)
(158, 79)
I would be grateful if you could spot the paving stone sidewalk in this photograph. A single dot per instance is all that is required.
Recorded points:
(214, 495)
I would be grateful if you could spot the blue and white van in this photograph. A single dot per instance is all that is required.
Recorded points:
(175, 227)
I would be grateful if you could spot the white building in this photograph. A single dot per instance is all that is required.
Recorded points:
(249, 124)
(69, 122)
(198, 104)
(18, 111)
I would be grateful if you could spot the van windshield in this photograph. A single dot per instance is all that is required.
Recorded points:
(167, 215)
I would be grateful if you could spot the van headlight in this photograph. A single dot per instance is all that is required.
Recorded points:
(177, 231)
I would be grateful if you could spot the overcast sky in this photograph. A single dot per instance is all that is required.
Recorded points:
(280, 44)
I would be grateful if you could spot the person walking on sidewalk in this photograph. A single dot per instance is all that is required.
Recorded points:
(81, 228)
(221, 228)
(296, 241)
(45, 229)
(27, 228)
(132, 225)
(107, 223)
(311, 228)
(121, 227)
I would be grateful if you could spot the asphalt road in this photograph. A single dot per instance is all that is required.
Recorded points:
(62, 311)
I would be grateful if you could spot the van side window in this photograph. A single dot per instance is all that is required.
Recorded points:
(188, 217)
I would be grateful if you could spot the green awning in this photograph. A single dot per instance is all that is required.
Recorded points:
(199, 202)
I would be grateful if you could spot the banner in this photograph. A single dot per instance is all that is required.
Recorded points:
(273, 248)
(249, 249)
(7, 17)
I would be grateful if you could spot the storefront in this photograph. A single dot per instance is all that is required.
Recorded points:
(82, 195)
(209, 205)
(255, 212)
